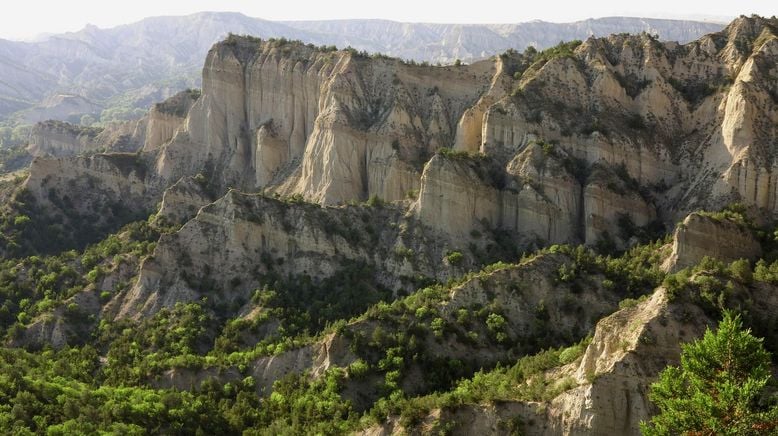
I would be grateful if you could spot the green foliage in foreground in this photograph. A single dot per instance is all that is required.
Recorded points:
(58, 393)
(108, 386)
(37, 284)
(522, 381)
(718, 389)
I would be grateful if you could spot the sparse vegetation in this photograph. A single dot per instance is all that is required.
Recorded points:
(696, 91)
(178, 104)
(532, 59)
(358, 310)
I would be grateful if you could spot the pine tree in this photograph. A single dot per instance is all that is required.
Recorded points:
(718, 387)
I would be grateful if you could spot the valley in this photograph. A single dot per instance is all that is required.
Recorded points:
(329, 241)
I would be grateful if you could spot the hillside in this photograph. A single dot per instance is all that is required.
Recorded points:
(121, 69)
(328, 241)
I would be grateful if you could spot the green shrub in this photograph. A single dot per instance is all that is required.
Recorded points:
(740, 270)
(375, 201)
(455, 257)
(21, 220)
(632, 302)
(717, 388)
(358, 369)
(766, 273)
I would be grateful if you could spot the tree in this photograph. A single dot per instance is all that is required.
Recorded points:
(718, 387)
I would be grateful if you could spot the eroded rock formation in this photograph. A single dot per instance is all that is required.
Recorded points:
(567, 145)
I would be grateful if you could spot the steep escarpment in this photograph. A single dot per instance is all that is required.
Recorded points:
(60, 139)
(57, 138)
(601, 100)
(75, 201)
(602, 142)
(330, 125)
(165, 118)
(583, 142)
(325, 241)
(604, 390)
(713, 235)
(545, 195)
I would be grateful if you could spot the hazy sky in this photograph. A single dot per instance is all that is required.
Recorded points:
(26, 18)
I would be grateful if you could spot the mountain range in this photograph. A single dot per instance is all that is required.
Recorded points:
(325, 241)
(113, 74)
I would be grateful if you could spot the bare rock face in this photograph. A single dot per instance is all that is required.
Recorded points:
(56, 138)
(166, 117)
(348, 127)
(181, 201)
(608, 200)
(543, 199)
(333, 351)
(703, 235)
(564, 149)
(641, 131)
(91, 182)
(628, 350)
(606, 389)
(272, 154)
(454, 198)
(60, 139)
(543, 194)
(265, 171)
(611, 381)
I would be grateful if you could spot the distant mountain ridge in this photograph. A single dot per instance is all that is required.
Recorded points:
(448, 42)
(131, 66)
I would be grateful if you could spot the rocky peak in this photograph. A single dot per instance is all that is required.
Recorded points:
(745, 30)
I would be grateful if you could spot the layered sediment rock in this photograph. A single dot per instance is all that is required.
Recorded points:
(701, 235)
(56, 138)
(691, 125)
(60, 139)
(165, 118)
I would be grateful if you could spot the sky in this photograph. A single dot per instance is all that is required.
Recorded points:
(27, 18)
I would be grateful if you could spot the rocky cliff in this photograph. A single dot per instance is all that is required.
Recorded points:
(608, 385)
(525, 296)
(701, 235)
(242, 239)
(59, 139)
(165, 118)
(56, 138)
(580, 143)
(323, 221)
